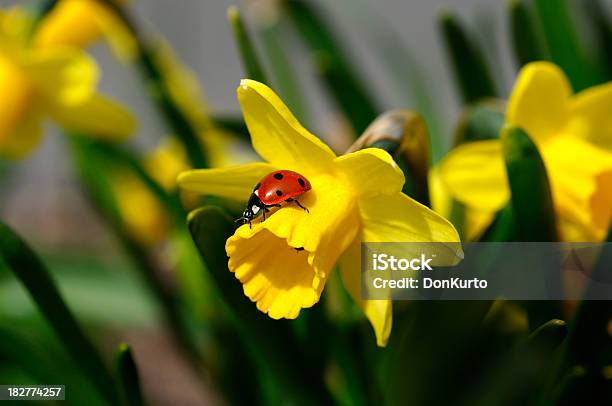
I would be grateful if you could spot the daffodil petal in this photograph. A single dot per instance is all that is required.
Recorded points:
(64, 76)
(581, 182)
(398, 218)
(278, 278)
(378, 312)
(370, 172)
(17, 94)
(22, 139)
(327, 228)
(276, 134)
(591, 118)
(539, 101)
(97, 117)
(73, 23)
(119, 37)
(475, 174)
(234, 182)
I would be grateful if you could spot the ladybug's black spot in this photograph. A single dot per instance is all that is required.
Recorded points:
(278, 176)
(301, 182)
(279, 193)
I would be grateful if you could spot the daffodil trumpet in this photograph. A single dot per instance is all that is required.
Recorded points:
(285, 261)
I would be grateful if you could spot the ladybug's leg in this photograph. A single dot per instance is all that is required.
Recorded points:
(298, 203)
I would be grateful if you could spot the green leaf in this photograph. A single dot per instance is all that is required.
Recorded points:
(519, 372)
(334, 68)
(527, 39)
(270, 342)
(407, 72)
(248, 55)
(599, 20)
(548, 336)
(472, 75)
(34, 276)
(34, 350)
(233, 125)
(502, 228)
(128, 381)
(563, 44)
(426, 334)
(531, 199)
(277, 43)
(589, 342)
(92, 165)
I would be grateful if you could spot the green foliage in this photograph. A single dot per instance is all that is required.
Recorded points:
(526, 37)
(26, 266)
(248, 55)
(563, 44)
(472, 75)
(332, 65)
(128, 381)
(532, 204)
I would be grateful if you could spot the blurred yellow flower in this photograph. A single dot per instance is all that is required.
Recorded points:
(59, 83)
(573, 134)
(79, 23)
(354, 198)
(475, 220)
(163, 164)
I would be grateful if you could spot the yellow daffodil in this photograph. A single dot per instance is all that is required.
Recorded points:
(284, 262)
(79, 23)
(474, 220)
(573, 134)
(59, 83)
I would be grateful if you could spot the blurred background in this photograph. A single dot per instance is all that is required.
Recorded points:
(41, 191)
(41, 198)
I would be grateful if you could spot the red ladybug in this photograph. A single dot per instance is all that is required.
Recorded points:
(274, 189)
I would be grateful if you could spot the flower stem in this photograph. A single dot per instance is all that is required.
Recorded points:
(248, 55)
(176, 119)
(97, 190)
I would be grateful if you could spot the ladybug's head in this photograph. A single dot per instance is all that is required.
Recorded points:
(254, 208)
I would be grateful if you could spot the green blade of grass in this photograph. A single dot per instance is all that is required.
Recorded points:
(599, 19)
(532, 203)
(527, 42)
(577, 374)
(404, 69)
(248, 54)
(332, 65)
(472, 75)
(276, 45)
(565, 49)
(91, 167)
(127, 378)
(32, 273)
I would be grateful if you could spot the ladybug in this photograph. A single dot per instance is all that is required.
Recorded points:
(274, 189)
